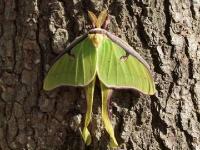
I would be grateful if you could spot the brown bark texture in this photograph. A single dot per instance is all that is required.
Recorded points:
(165, 32)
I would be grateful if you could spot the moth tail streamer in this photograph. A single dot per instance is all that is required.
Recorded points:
(105, 94)
(89, 90)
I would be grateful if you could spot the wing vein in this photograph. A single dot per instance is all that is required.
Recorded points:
(83, 64)
(110, 62)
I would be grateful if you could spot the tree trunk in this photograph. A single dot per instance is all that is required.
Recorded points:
(165, 33)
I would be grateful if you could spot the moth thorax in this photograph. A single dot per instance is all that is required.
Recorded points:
(96, 39)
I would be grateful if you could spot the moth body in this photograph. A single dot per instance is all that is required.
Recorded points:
(96, 39)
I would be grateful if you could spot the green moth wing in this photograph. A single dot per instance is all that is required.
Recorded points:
(75, 69)
(117, 73)
(105, 96)
(89, 91)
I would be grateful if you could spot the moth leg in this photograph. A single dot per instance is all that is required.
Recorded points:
(125, 57)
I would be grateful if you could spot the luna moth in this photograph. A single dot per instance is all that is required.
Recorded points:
(98, 54)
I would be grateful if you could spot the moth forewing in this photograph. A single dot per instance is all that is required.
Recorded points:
(117, 74)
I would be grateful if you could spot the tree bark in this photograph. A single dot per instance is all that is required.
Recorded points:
(165, 32)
